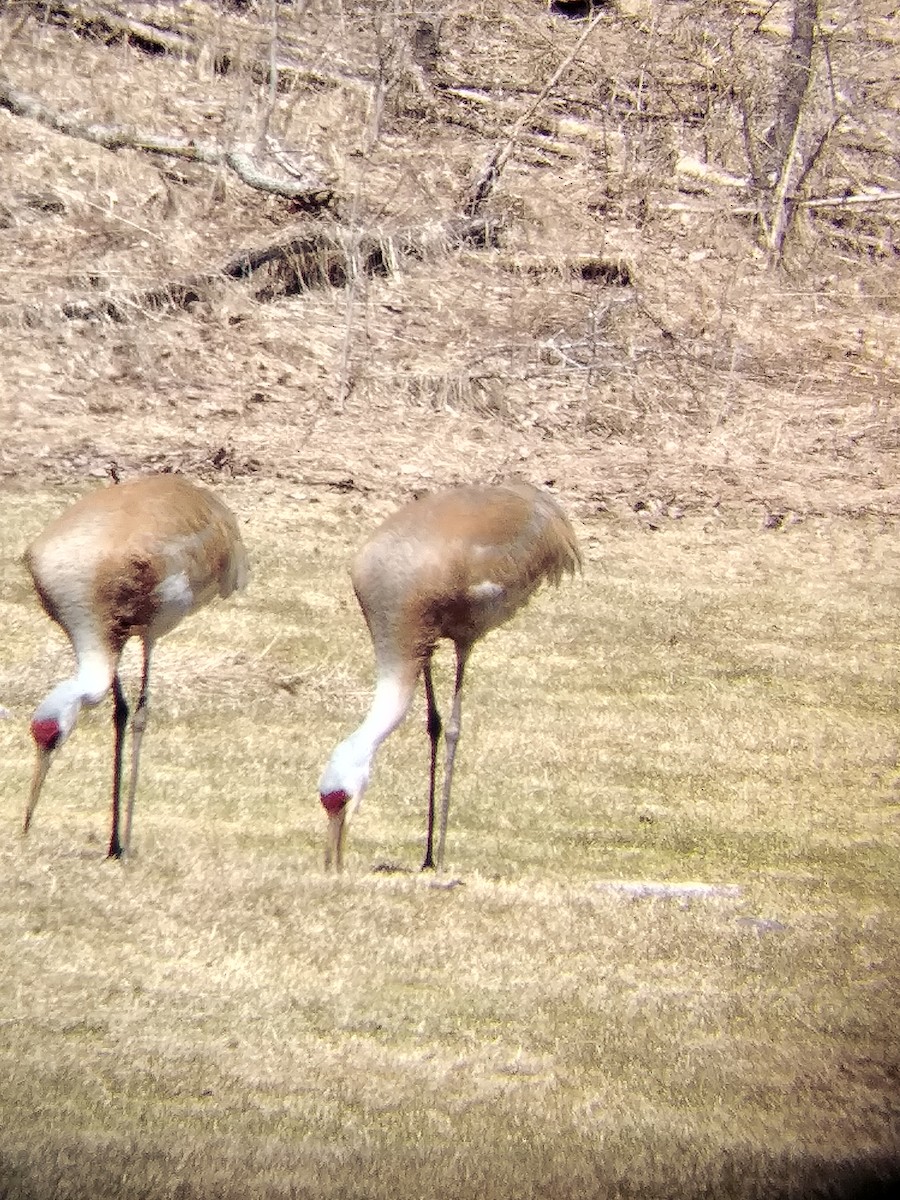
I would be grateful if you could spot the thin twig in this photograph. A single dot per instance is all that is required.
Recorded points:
(855, 201)
(776, 225)
(484, 185)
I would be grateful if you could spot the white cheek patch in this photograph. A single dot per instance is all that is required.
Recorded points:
(486, 591)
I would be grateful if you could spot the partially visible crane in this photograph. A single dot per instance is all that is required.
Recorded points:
(454, 565)
(129, 560)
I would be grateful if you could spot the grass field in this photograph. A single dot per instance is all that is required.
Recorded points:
(711, 703)
(663, 961)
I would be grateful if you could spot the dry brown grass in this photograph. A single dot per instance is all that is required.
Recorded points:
(218, 1017)
(715, 701)
(707, 379)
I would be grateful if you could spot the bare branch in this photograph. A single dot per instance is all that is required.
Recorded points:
(777, 223)
(117, 137)
(490, 173)
(813, 154)
(860, 200)
(857, 200)
(795, 82)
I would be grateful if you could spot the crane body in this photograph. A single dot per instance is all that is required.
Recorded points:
(131, 560)
(453, 564)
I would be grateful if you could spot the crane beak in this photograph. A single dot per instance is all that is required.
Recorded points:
(41, 767)
(334, 846)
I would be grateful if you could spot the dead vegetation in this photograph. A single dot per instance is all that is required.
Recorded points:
(705, 711)
(687, 297)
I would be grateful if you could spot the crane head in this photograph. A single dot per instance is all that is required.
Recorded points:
(47, 734)
(341, 789)
(334, 802)
(55, 716)
(53, 721)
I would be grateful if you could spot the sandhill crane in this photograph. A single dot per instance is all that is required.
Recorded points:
(453, 565)
(128, 560)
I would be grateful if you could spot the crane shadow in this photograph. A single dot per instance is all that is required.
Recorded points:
(438, 883)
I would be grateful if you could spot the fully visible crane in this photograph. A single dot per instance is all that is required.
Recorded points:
(454, 564)
(126, 561)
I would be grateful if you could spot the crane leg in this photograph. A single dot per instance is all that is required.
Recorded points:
(138, 725)
(451, 737)
(433, 725)
(120, 720)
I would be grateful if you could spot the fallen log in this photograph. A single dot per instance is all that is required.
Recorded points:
(305, 259)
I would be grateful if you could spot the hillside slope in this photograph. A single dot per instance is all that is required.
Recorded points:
(622, 327)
